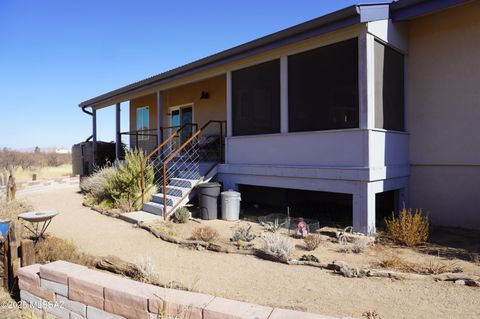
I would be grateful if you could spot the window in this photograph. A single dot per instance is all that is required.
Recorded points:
(143, 121)
(323, 88)
(256, 99)
(389, 88)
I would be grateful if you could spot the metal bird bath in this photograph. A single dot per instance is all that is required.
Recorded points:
(40, 221)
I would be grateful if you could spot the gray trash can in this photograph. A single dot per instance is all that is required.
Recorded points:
(231, 205)
(207, 200)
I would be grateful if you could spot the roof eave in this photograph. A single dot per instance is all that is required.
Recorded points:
(336, 20)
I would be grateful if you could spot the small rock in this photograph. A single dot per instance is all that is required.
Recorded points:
(460, 282)
(472, 283)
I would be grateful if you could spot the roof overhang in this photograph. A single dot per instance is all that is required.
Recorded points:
(334, 21)
(409, 9)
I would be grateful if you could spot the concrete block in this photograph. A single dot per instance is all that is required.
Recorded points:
(87, 299)
(56, 287)
(293, 314)
(30, 275)
(180, 303)
(74, 306)
(38, 291)
(59, 311)
(32, 300)
(94, 313)
(59, 271)
(221, 308)
(125, 311)
(74, 315)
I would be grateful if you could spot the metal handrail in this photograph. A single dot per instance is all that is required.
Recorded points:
(156, 150)
(175, 153)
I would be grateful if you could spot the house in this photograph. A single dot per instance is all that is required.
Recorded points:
(372, 106)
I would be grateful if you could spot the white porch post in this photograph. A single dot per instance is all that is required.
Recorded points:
(160, 112)
(284, 94)
(229, 104)
(94, 137)
(118, 136)
(364, 209)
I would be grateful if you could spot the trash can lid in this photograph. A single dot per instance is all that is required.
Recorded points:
(207, 185)
(230, 193)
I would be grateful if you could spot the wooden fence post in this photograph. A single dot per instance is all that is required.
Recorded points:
(28, 252)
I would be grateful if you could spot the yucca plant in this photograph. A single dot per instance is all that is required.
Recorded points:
(408, 228)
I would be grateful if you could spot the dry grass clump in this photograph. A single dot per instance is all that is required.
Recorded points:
(312, 241)
(148, 271)
(278, 245)
(371, 315)
(205, 233)
(13, 208)
(433, 267)
(359, 245)
(53, 248)
(408, 228)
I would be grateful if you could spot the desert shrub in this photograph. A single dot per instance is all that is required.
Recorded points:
(278, 245)
(126, 182)
(95, 185)
(13, 208)
(148, 271)
(181, 215)
(312, 241)
(274, 226)
(53, 248)
(243, 233)
(205, 233)
(28, 160)
(408, 228)
(359, 245)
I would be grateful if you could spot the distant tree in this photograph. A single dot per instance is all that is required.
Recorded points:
(37, 150)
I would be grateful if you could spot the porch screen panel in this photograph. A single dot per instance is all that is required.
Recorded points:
(256, 99)
(323, 88)
(389, 88)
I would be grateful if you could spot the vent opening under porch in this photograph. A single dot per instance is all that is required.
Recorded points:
(330, 209)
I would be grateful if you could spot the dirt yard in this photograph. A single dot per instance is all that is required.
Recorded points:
(250, 279)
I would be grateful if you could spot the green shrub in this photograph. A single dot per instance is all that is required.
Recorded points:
(120, 186)
(181, 215)
(408, 228)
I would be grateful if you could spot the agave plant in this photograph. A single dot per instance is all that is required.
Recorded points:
(274, 226)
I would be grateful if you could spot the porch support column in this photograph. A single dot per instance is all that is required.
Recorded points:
(364, 209)
(94, 138)
(118, 137)
(284, 94)
(229, 104)
(160, 112)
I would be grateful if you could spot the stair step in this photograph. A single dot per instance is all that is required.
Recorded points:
(154, 208)
(176, 191)
(188, 175)
(182, 182)
(171, 200)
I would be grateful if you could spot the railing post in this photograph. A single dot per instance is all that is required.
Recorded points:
(142, 174)
(164, 191)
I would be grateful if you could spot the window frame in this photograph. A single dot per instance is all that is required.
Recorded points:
(142, 109)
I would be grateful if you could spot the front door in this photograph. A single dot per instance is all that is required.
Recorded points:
(181, 115)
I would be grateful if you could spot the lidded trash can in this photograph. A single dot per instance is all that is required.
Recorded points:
(207, 200)
(231, 205)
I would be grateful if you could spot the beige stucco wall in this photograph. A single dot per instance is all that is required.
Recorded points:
(443, 114)
(213, 108)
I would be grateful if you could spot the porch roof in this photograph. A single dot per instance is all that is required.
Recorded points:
(327, 23)
(398, 10)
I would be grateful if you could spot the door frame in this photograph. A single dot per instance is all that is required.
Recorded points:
(179, 107)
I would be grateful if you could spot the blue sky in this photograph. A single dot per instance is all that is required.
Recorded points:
(55, 54)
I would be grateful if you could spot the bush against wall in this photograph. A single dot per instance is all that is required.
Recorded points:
(408, 228)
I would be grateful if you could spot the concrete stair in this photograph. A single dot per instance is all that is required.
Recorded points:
(179, 191)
